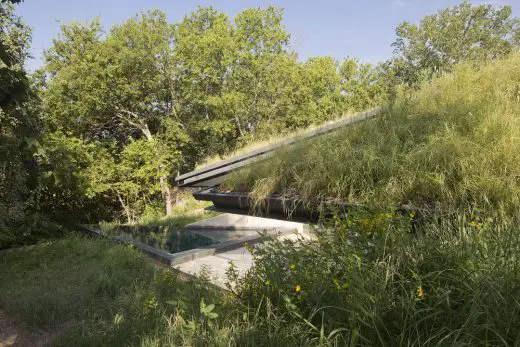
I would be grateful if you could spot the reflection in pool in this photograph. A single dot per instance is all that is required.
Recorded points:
(169, 238)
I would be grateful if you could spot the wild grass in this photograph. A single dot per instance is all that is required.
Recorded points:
(365, 282)
(96, 293)
(372, 281)
(375, 277)
(380, 276)
(257, 143)
(455, 142)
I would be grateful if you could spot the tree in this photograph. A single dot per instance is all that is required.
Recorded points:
(360, 84)
(19, 126)
(204, 50)
(307, 93)
(15, 38)
(461, 33)
(153, 98)
(232, 79)
(118, 89)
(258, 78)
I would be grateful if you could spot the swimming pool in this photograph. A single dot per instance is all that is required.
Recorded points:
(171, 239)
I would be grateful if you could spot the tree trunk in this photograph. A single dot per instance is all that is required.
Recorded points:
(163, 180)
(126, 208)
(239, 126)
(167, 195)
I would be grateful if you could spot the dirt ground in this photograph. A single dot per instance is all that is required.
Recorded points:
(12, 334)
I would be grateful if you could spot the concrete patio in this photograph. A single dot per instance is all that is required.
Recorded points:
(226, 227)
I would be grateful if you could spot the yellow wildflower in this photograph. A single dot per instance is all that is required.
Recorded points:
(475, 224)
(420, 292)
(293, 267)
(298, 288)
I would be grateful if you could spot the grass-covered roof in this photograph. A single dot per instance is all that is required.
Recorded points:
(455, 141)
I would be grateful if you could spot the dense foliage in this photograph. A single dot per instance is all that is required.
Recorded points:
(371, 282)
(101, 129)
(453, 35)
(20, 128)
(368, 282)
(204, 86)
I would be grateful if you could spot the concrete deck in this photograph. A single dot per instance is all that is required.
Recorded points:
(230, 221)
(229, 226)
(218, 264)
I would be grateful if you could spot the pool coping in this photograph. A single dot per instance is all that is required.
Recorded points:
(173, 259)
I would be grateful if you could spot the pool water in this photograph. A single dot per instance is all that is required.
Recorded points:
(168, 238)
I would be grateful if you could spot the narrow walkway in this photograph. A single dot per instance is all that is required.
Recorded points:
(217, 265)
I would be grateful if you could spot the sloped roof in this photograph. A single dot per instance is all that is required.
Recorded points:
(213, 175)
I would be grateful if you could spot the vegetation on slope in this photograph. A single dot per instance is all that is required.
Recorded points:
(377, 277)
(175, 93)
(89, 292)
(369, 282)
(118, 113)
(380, 276)
(372, 281)
(453, 142)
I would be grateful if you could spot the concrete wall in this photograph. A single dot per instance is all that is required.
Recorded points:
(236, 221)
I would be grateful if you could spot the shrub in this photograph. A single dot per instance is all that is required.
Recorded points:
(456, 281)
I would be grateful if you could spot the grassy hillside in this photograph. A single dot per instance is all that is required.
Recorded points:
(386, 278)
(272, 139)
(456, 142)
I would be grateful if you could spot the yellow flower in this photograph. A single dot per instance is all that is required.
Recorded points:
(475, 224)
(293, 267)
(420, 292)
(298, 288)
(151, 303)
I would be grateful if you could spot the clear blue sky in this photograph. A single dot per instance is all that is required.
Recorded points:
(364, 29)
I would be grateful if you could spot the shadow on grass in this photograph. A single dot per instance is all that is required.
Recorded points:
(105, 294)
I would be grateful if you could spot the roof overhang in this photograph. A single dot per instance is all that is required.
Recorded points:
(214, 174)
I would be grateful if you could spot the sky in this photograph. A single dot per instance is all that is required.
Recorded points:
(364, 29)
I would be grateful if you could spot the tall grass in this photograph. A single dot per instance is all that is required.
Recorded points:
(362, 283)
(272, 139)
(91, 292)
(94, 292)
(366, 284)
(448, 277)
(455, 142)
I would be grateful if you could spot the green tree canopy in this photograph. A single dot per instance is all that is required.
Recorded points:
(150, 99)
(19, 125)
(360, 84)
(119, 89)
(461, 33)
